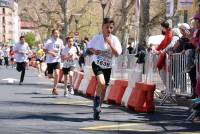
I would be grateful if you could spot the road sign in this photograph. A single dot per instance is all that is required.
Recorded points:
(76, 33)
(185, 4)
(169, 8)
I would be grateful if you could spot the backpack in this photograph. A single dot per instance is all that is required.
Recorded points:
(77, 49)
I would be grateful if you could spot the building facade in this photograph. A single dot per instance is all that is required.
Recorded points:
(9, 21)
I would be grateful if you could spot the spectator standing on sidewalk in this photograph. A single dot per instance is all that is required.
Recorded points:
(103, 47)
(6, 55)
(21, 50)
(130, 48)
(1, 56)
(53, 48)
(167, 32)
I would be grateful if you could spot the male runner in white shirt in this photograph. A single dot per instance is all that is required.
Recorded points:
(53, 47)
(103, 47)
(21, 50)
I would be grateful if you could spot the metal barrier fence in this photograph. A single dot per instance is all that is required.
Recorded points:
(180, 80)
(152, 75)
(174, 78)
(171, 79)
(121, 66)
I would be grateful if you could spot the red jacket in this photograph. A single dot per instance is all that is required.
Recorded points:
(166, 40)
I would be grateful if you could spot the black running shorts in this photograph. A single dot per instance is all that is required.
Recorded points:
(52, 66)
(98, 70)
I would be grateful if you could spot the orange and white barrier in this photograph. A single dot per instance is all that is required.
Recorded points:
(78, 80)
(87, 75)
(108, 89)
(122, 67)
(91, 87)
(133, 77)
(117, 91)
(141, 99)
(86, 79)
(33, 63)
(75, 76)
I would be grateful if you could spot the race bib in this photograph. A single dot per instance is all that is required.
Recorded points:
(57, 49)
(70, 61)
(22, 49)
(104, 60)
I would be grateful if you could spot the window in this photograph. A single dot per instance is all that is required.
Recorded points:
(4, 11)
(4, 29)
(4, 38)
(3, 20)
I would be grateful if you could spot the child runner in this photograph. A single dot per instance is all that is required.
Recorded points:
(69, 55)
(103, 47)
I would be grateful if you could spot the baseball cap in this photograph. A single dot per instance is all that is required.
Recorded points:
(185, 27)
(197, 16)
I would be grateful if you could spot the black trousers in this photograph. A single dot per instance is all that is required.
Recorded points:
(192, 75)
(21, 67)
(6, 61)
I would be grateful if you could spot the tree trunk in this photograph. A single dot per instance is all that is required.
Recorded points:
(144, 20)
(175, 18)
(126, 7)
(64, 8)
(125, 32)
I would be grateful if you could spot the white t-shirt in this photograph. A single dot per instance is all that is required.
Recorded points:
(104, 59)
(1, 54)
(56, 46)
(69, 51)
(6, 52)
(19, 49)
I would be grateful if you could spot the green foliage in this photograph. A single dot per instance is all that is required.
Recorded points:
(30, 39)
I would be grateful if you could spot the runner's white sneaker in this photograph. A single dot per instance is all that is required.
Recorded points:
(66, 93)
(71, 91)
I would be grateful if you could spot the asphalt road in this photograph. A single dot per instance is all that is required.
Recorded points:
(31, 109)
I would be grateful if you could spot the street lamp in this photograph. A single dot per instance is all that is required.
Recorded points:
(76, 16)
(103, 5)
(76, 21)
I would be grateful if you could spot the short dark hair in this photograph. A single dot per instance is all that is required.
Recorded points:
(165, 24)
(86, 38)
(53, 31)
(69, 37)
(108, 20)
(21, 37)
